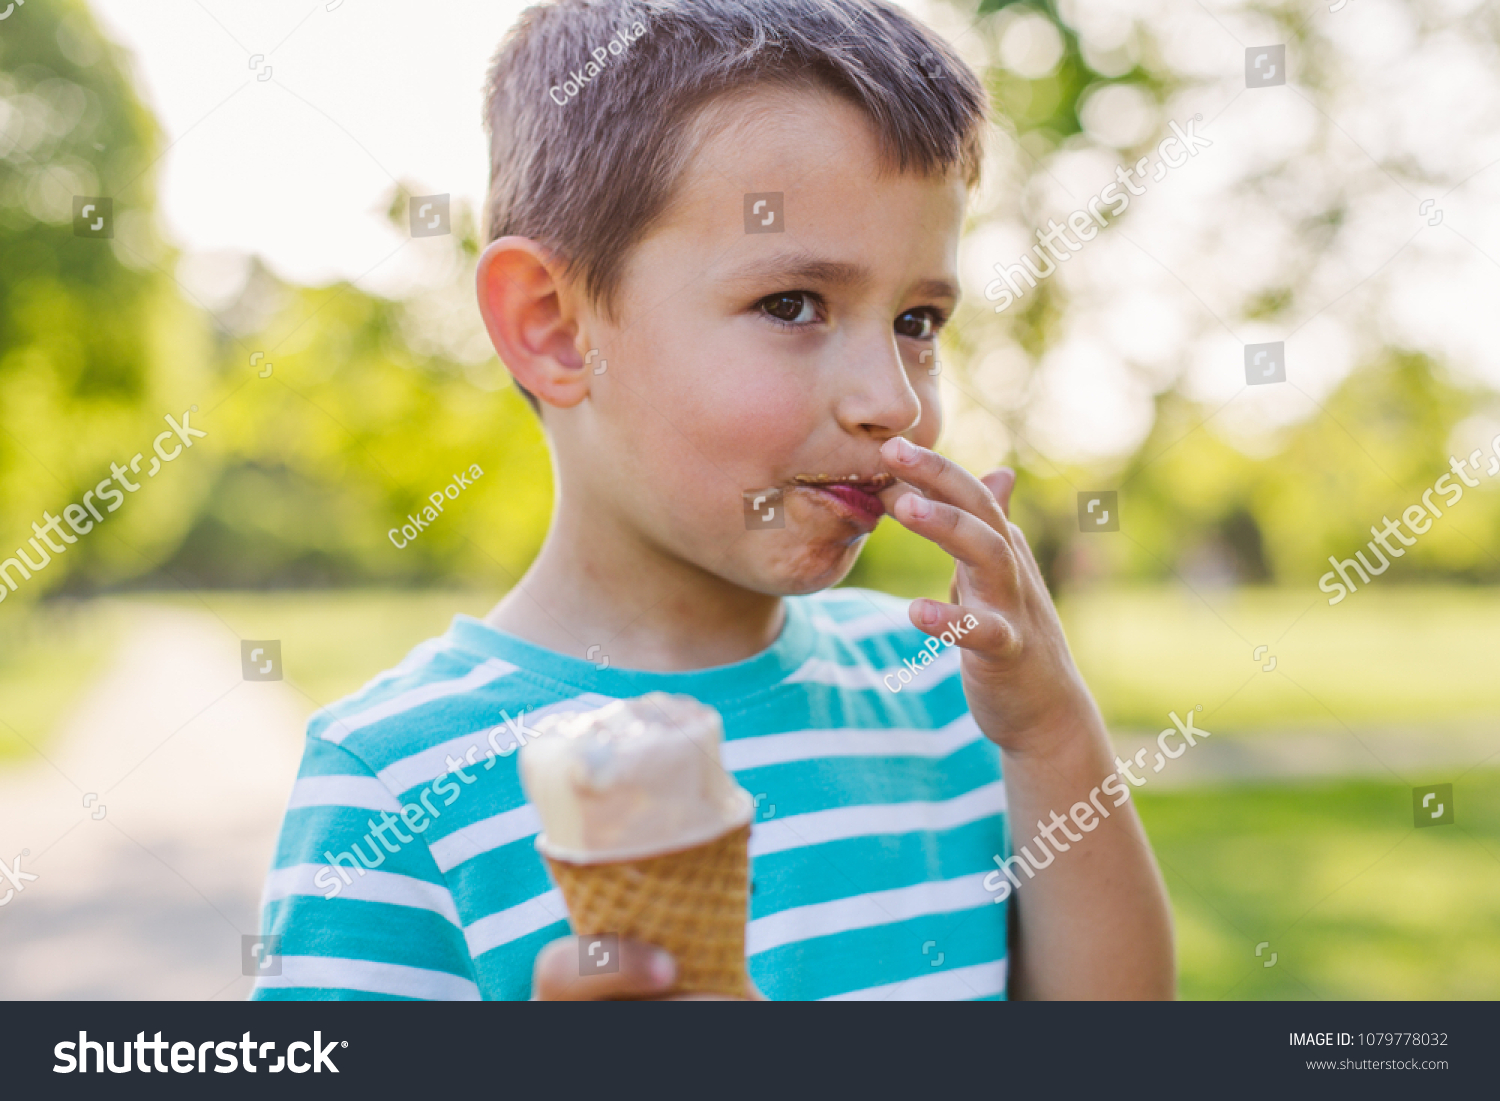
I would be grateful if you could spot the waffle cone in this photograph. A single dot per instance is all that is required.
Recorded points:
(692, 903)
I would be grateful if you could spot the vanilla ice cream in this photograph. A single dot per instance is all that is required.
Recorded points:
(637, 778)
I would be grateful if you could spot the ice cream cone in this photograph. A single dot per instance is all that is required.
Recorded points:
(645, 833)
(692, 903)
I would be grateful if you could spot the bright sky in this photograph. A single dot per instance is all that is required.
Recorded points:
(298, 167)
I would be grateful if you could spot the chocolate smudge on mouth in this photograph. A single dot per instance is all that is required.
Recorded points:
(874, 482)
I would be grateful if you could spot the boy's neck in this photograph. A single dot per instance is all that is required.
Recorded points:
(643, 608)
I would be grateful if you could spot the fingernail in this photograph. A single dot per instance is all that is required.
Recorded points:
(905, 452)
(928, 614)
(663, 970)
(919, 507)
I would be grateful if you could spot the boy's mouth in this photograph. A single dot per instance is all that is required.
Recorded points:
(855, 494)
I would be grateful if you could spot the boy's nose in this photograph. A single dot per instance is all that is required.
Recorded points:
(876, 397)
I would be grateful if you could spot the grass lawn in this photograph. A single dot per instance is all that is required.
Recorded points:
(46, 659)
(1395, 657)
(1355, 902)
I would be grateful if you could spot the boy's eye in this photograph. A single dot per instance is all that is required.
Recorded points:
(792, 307)
(921, 324)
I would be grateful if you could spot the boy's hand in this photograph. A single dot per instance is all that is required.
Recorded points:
(1022, 686)
(1098, 925)
(646, 974)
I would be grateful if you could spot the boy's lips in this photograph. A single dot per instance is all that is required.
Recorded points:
(852, 495)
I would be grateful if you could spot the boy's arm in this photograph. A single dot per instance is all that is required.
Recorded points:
(1094, 923)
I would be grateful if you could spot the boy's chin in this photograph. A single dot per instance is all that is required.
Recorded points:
(807, 569)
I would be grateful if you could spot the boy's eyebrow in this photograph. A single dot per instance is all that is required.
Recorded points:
(936, 288)
(803, 267)
(806, 268)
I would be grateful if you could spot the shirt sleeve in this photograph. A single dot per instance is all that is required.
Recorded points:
(355, 906)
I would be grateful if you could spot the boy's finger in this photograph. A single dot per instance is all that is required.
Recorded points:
(942, 479)
(1000, 482)
(563, 974)
(1024, 556)
(991, 634)
(969, 540)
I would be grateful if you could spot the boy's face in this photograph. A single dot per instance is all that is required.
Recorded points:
(751, 361)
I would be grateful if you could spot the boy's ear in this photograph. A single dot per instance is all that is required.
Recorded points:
(529, 313)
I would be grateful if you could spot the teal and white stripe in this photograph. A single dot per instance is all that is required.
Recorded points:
(878, 818)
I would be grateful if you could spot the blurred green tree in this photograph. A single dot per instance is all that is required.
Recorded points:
(372, 406)
(96, 346)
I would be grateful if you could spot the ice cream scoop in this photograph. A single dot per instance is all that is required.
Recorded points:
(636, 778)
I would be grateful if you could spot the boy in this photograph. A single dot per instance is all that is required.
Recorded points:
(719, 254)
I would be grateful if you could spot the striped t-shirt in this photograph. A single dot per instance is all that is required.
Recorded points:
(407, 867)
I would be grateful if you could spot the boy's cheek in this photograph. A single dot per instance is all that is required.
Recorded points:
(750, 426)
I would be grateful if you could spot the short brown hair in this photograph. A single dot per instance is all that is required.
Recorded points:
(587, 174)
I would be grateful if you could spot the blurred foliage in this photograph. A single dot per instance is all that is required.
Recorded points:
(49, 654)
(351, 432)
(1196, 504)
(1195, 507)
(96, 346)
(372, 405)
(360, 417)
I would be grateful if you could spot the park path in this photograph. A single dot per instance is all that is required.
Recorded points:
(193, 766)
